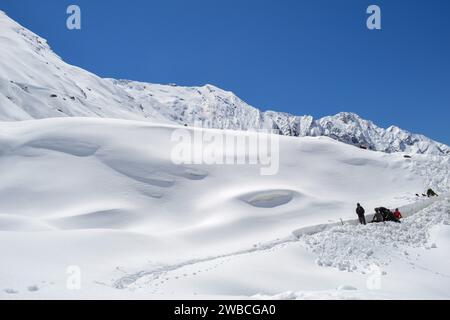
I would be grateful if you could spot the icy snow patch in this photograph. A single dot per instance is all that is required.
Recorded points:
(269, 198)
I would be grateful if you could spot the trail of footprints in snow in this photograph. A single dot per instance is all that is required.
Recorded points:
(31, 288)
(155, 281)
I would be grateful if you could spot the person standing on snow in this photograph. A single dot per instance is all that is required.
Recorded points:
(360, 212)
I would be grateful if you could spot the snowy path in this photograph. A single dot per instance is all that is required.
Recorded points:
(345, 247)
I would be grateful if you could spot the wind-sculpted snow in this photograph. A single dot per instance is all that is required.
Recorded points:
(35, 83)
(106, 196)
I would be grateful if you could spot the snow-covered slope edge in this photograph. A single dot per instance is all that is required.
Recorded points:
(35, 83)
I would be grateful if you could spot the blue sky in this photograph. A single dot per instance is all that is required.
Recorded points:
(300, 56)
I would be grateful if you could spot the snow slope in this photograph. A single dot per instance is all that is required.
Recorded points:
(104, 195)
(78, 188)
(372, 262)
(35, 83)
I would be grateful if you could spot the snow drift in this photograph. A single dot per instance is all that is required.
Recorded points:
(104, 195)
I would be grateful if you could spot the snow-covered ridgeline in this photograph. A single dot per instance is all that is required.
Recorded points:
(35, 83)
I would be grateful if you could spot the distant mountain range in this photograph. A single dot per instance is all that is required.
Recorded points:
(36, 83)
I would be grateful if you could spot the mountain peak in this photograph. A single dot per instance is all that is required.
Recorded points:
(348, 115)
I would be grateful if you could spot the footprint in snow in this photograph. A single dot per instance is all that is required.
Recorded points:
(33, 288)
(10, 291)
(346, 288)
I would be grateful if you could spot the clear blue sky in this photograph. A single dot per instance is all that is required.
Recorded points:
(300, 56)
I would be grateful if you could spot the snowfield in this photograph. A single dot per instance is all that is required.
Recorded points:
(104, 196)
(93, 203)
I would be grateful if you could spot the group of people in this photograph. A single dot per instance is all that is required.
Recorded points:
(430, 193)
(382, 214)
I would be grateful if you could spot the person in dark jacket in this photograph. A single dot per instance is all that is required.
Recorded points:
(387, 214)
(384, 212)
(391, 217)
(360, 212)
(378, 217)
(431, 193)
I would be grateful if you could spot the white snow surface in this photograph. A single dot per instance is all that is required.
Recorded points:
(87, 181)
(35, 83)
(104, 195)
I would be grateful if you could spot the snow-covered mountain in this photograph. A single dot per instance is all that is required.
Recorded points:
(96, 208)
(36, 83)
